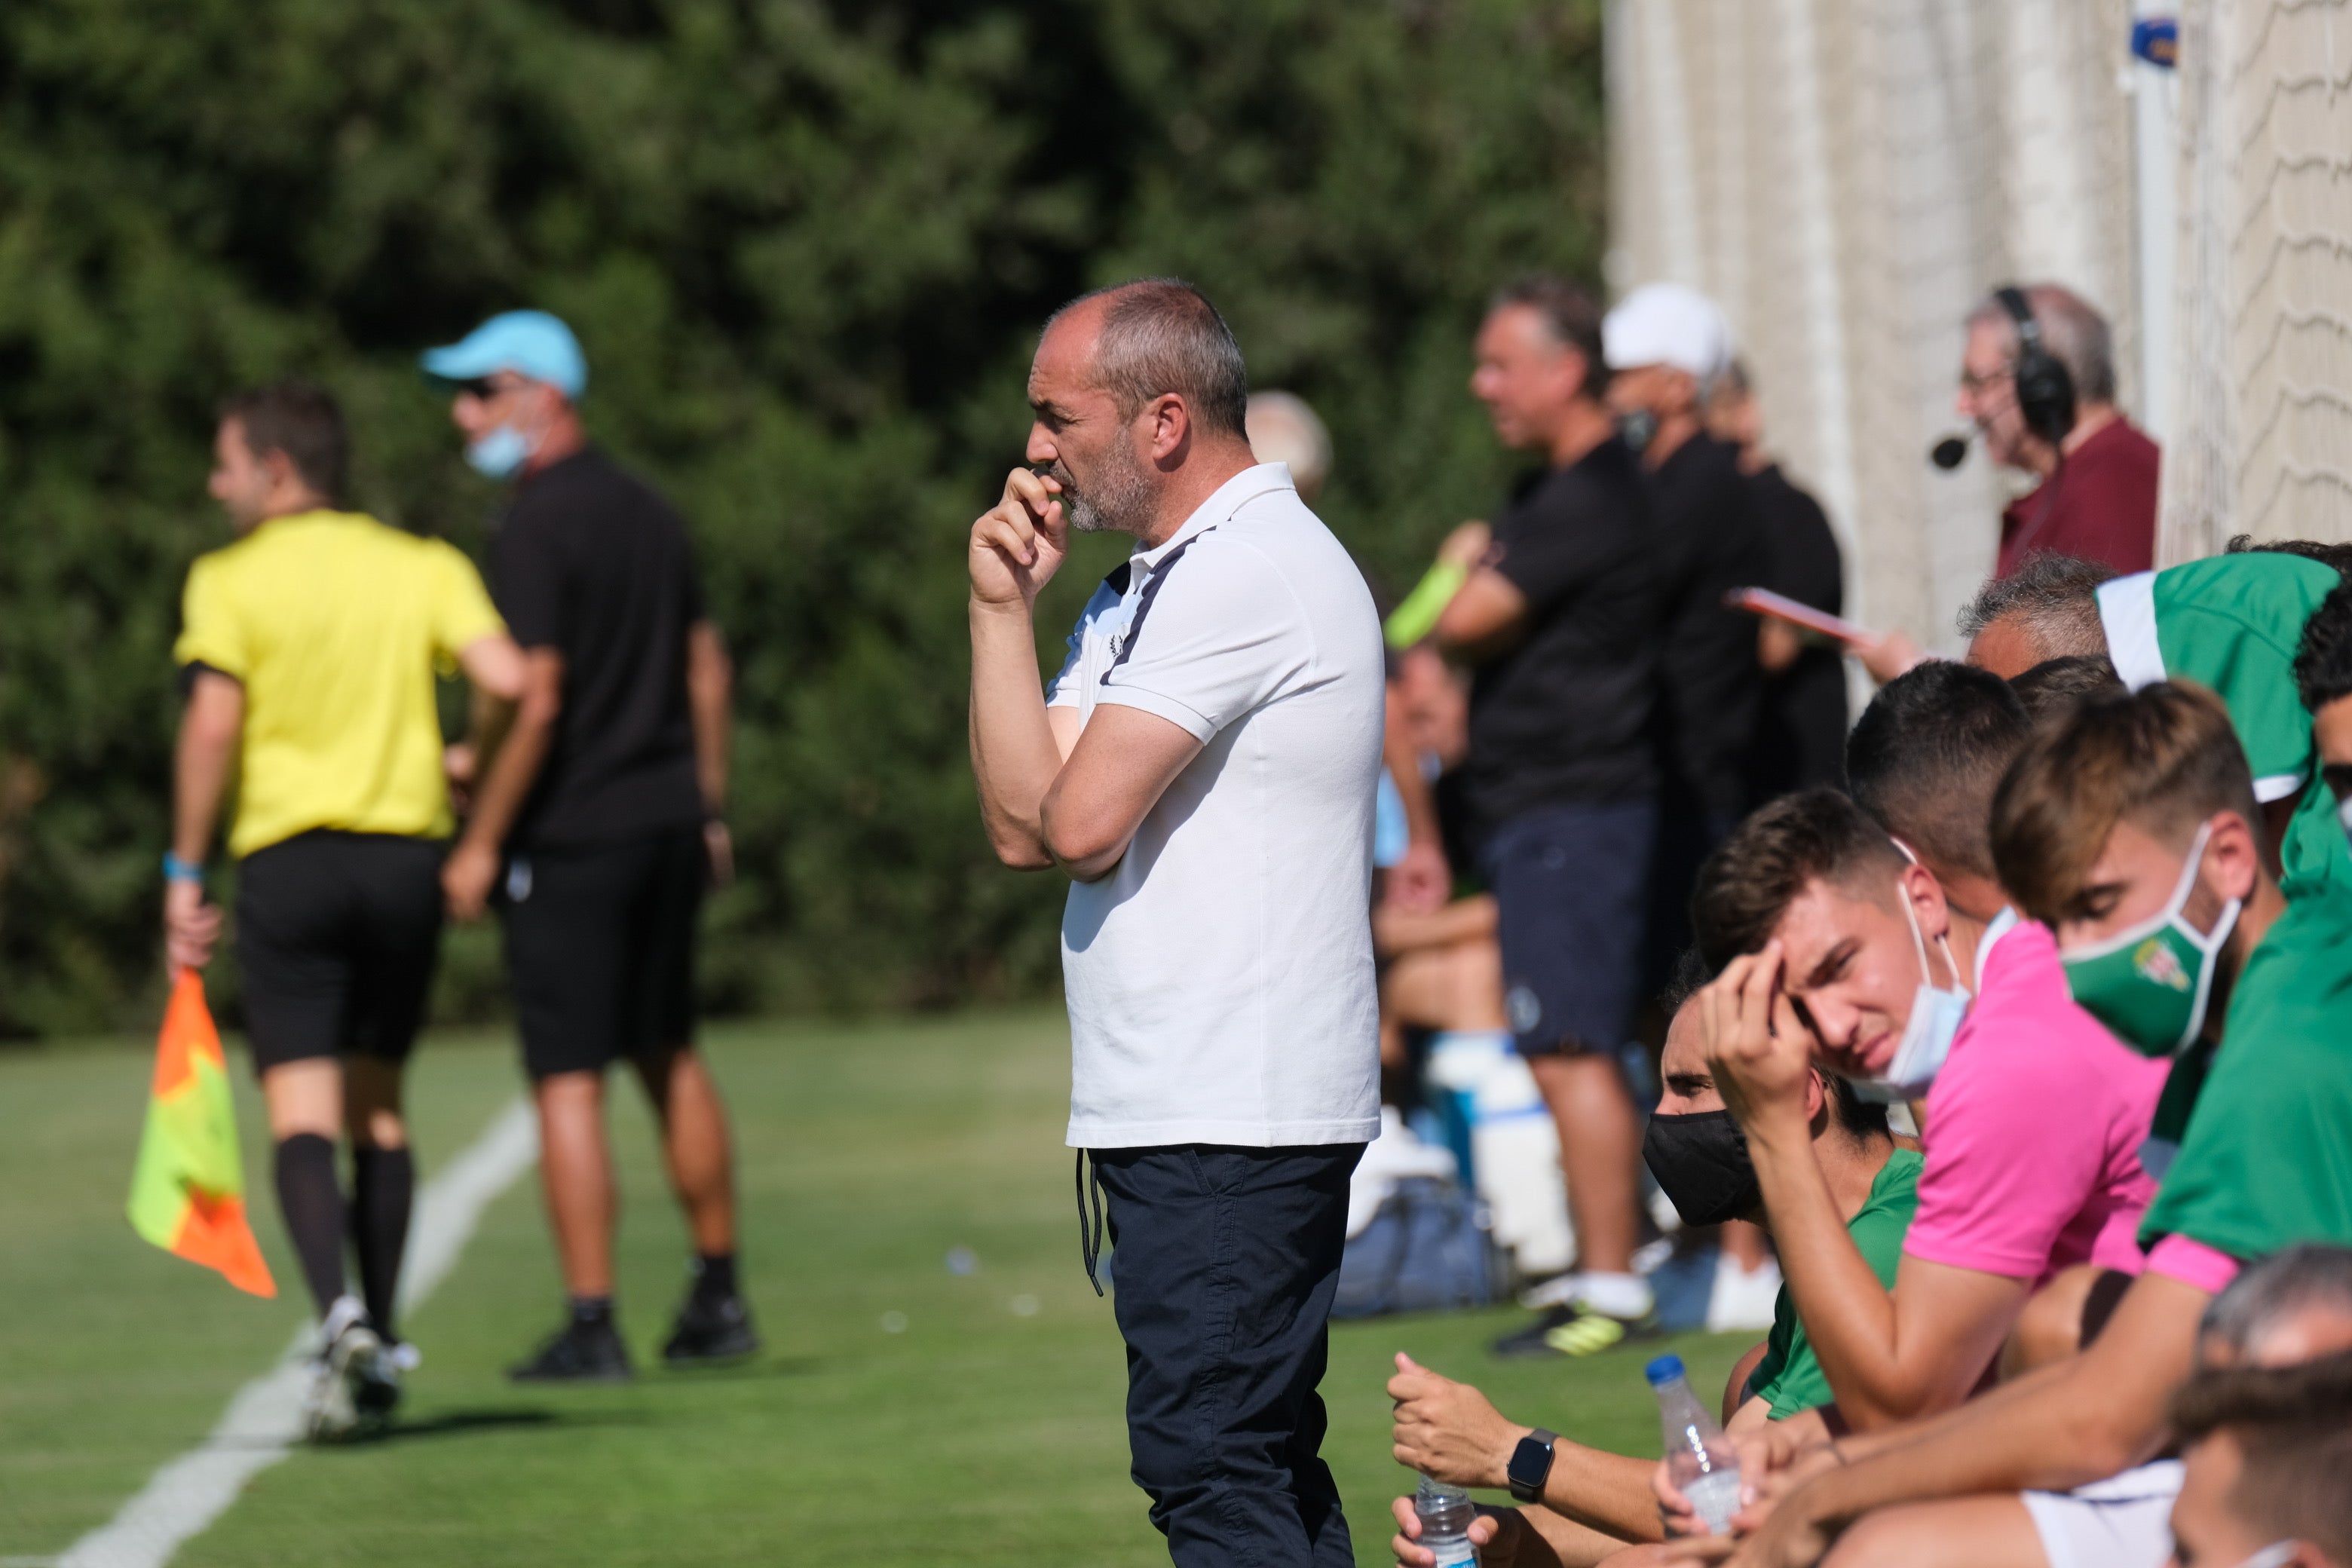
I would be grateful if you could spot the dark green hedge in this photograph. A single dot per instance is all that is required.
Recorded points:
(807, 247)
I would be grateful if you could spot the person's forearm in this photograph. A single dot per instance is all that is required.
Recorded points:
(710, 698)
(1420, 803)
(1849, 1316)
(1014, 756)
(512, 772)
(1408, 930)
(1603, 1491)
(2051, 1437)
(488, 719)
(212, 726)
(200, 778)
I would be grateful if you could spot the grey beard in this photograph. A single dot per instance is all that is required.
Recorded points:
(1125, 506)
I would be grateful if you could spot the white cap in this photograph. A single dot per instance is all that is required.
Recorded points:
(1666, 323)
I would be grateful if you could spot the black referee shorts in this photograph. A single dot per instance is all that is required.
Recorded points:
(337, 934)
(600, 944)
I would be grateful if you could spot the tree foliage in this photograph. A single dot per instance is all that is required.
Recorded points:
(807, 247)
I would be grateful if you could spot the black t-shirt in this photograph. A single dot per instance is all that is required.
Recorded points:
(592, 562)
(1800, 738)
(1563, 716)
(1708, 541)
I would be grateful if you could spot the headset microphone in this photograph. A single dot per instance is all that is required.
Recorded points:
(1950, 452)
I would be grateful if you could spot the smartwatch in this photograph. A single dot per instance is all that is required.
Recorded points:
(1531, 1465)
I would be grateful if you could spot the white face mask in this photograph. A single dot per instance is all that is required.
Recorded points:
(1937, 1013)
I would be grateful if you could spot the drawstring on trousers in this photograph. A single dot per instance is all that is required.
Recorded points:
(1090, 1236)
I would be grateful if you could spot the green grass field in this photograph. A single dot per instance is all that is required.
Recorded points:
(987, 1430)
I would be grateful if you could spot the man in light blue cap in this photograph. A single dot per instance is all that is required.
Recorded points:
(599, 822)
(522, 372)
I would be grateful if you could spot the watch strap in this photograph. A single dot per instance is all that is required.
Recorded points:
(1531, 1465)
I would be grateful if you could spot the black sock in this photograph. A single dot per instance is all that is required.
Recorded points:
(591, 1312)
(383, 1181)
(714, 1276)
(312, 1203)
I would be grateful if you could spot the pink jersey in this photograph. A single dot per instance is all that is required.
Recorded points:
(2033, 1126)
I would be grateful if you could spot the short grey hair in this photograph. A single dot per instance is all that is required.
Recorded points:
(1161, 335)
(2056, 597)
(2265, 1294)
(2072, 329)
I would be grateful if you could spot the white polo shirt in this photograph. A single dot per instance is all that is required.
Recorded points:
(1220, 978)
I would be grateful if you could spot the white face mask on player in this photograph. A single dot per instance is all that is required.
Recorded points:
(1937, 1014)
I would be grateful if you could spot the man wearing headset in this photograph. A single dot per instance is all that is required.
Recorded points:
(2038, 380)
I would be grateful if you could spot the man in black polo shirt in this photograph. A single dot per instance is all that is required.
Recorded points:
(1666, 344)
(1801, 729)
(598, 818)
(1560, 619)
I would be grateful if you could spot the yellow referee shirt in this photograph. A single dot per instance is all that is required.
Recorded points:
(336, 625)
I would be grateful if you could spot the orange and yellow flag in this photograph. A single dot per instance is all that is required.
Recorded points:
(187, 1194)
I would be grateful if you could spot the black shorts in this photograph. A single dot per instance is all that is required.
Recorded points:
(1570, 882)
(337, 934)
(600, 943)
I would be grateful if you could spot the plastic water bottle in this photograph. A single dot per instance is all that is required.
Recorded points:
(1446, 1514)
(1702, 1465)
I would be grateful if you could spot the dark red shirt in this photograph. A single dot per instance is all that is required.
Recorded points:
(2100, 505)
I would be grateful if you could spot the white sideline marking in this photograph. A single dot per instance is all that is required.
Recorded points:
(265, 1419)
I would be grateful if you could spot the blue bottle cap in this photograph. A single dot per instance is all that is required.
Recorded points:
(1664, 1370)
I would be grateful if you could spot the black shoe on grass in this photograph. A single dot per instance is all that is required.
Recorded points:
(1575, 1330)
(710, 1328)
(581, 1353)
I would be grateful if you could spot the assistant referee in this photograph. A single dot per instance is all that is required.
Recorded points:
(308, 654)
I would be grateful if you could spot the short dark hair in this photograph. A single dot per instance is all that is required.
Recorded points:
(2295, 1479)
(1861, 1119)
(2323, 659)
(2338, 558)
(1161, 335)
(1927, 753)
(2164, 756)
(2053, 689)
(1571, 315)
(1815, 834)
(2057, 599)
(299, 419)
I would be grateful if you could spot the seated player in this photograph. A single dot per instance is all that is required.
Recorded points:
(2266, 1453)
(2265, 1465)
(2228, 622)
(1585, 1503)
(2130, 830)
(2034, 1118)
(2323, 672)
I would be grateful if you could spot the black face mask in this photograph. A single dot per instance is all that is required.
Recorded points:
(1638, 427)
(1701, 1163)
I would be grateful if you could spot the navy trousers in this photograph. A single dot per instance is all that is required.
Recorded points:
(1227, 1263)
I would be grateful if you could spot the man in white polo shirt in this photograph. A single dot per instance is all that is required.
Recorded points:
(1204, 768)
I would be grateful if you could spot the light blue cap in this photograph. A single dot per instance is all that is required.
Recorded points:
(528, 342)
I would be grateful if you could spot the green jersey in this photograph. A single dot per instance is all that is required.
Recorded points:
(1790, 1376)
(2231, 622)
(2267, 1160)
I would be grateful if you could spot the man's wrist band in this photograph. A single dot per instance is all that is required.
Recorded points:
(1417, 616)
(178, 870)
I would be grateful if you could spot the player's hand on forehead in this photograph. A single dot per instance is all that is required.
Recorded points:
(1758, 1048)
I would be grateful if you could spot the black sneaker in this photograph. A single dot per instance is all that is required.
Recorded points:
(580, 1353)
(1575, 1329)
(710, 1328)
